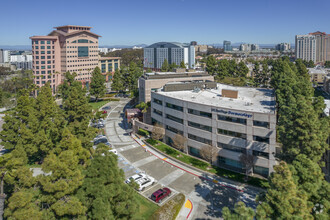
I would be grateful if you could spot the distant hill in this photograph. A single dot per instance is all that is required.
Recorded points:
(16, 47)
(123, 46)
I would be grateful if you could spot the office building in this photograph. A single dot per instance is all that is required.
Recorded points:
(227, 46)
(248, 47)
(67, 48)
(155, 80)
(4, 56)
(194, 43)
(235, 120)
(317, 75)
(283, 46)
(155, 54)
(313, 46)
(104, 50)
(201, 48)
(108, 66)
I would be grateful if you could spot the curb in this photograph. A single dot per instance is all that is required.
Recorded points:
(210, 180)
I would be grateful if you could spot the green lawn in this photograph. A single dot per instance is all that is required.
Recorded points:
(99, 104)
(146, 208)
(206, 166)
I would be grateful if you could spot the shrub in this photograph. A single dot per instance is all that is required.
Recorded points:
(143, 132)
(151, 141)
(170, 209)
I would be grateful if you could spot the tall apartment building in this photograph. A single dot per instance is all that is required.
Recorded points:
(67, 48)
(4, 56)
(248, 47)
(155, 54)
(313, 46)
(283, 46)
(227, 46)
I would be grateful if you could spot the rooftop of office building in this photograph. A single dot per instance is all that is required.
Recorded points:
(231, 97)
(178, 74)
(168, 45)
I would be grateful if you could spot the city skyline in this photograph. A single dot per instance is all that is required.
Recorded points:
(131, 22)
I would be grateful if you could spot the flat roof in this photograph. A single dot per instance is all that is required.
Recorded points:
(258, 100)
(109, 58)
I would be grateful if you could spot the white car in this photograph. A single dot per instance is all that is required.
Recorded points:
(144, 182)
(135, 177)
(113, 151)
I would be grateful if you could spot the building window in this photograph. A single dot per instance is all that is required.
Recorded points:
(230, 163)
(157, 101)
(37, 47)
(42, 42)
(194, 151)
(116, 66)
(261, 154)
(232, 119)
(199, 126)
(48, 42)
(175, 107)
(158, 112)
(261, 124)
(199, 139)
(82, 51)
(199, 113)
(42, 47)
(82, 41)
(231, 148)
(42, 57)
(179, 120)
(261, 171)
(174, 130)
(103, 68)
(42, 62)
(231, 133)
(261, 139)
(36, 42)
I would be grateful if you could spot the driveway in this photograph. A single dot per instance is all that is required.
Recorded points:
(208, 197)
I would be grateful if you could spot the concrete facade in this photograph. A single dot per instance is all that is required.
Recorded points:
(153, 81)
(68, 48)
(234, 126)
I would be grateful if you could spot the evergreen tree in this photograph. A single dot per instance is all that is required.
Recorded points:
(68, 83)
(97, 86)
(104, 192)
(133, 74)
(232, 68)
(283, 200)
(182, 65)
(165, 66)
(118, 81)
(240, 212)
(223, 69)
(211, 65)
(242, 70)
(172, 67)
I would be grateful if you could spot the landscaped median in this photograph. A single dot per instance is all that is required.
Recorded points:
(204, 166)
(171, 209)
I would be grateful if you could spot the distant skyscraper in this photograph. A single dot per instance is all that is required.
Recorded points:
(4, 56)
(1, 56)
(227, 46)
(155, 54)
(249, 47)
(194, 43)
(67, 49)
(283, 46)
(313, 46)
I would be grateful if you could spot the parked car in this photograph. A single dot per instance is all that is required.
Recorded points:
(144, 182)
(113, 151)
(106, 108)
(104, 112)
(160, 194)
(135, 177)
(99, 136)
(101, 140)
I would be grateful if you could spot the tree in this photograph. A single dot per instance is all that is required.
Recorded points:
(68, 83)
(118, 81)
(211, 65)
(209, 153)
(327, 64)
(158, 132)
(240, 212)
(182, 65)
(247, 161)
(283, 199)
(165, 66)
(104, 192)
(97, 85)
(242, 70)
(143, 106)
(179, 142)
(223, 69)
(172, 67)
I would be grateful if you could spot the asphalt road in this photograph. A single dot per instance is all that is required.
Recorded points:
(207, 197)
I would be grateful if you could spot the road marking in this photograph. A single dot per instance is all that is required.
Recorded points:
(168, 179)
(126, 148)
(144, 161)
(188, 204)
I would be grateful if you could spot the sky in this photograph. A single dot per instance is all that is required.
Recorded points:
(130, 22)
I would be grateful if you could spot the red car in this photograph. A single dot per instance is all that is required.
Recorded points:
(160, 194)
(104, 112)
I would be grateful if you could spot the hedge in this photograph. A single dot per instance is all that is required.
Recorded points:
(143, 132)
